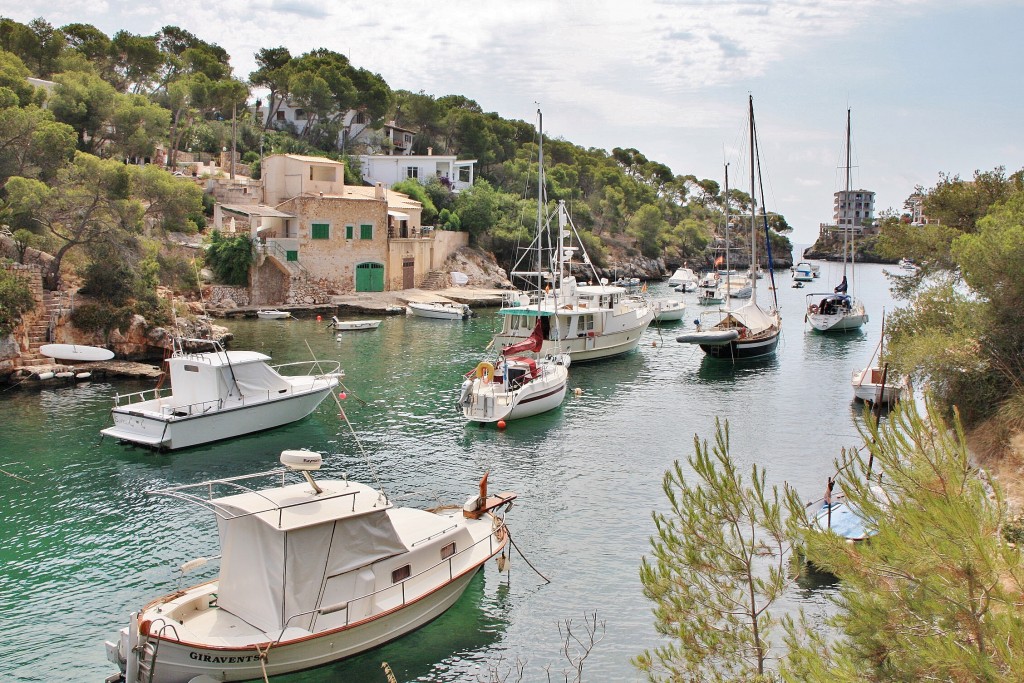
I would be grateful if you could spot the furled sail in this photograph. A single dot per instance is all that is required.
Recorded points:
(532, 343)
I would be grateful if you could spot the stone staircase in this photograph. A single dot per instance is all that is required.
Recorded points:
(435, 279)
(39, 332)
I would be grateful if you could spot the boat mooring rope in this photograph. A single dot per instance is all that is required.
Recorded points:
(263, 660)
(512, 541)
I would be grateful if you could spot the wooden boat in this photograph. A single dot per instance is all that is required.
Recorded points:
(874, 383)
(746, 331)
(349, 325)
(517, 385)
(220, 394)
(439, 310)
(272, 314)
(310, 573)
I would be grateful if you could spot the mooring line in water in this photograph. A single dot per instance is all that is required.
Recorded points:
(512, 541)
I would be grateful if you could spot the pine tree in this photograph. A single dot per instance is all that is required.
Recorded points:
(936, 594)
(718, 564)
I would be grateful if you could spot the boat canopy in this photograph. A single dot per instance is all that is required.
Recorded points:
(523, 310)
(281, 548)
(750, 316)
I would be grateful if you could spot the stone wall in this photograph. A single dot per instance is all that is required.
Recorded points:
(226, 296)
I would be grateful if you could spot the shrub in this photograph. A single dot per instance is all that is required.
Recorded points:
(229, 258)
(101, 317)
(15, 299)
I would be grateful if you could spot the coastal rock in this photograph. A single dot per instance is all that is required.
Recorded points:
(481, 267)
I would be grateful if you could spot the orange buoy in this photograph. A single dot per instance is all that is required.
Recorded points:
(319, 319)
(501, 424)
(343, 396)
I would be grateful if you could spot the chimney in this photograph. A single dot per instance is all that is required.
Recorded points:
(430, 151)
(379, 191)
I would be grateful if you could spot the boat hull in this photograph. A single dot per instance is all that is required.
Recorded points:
(537, 396)
(669, 312)
(169, 432)
(866, 390)
(743, 348)
(437, 312)
(351, 325)
(181, 662)
(837, 322)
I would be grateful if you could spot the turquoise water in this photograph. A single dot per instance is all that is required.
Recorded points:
(82, 544)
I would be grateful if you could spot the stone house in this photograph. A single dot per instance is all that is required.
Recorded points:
(317, 236)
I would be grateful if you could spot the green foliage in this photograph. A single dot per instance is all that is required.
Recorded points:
(935, 594)
(718, 563)
(15, 299)
(646, 226)
(230, 258)
(110, 277)
(413, 189)
(100, 317)
(446, 220)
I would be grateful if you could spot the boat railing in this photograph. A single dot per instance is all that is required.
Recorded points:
(447, 564)
(319, 369)
(205, 493)
(137, 397)
(169, 411)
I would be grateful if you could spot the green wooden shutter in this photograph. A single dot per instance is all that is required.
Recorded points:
(365, 232)
(321, 231)
(291, 256)
(349, 230)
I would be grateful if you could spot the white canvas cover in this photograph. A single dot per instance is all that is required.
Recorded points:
(194, 381)
(751, 316)
(257, 380)
(271, 572)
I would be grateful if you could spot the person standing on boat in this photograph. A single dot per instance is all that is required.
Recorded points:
(841, 287)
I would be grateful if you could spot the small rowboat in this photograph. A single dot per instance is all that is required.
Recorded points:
(347, 325)
(272, 314)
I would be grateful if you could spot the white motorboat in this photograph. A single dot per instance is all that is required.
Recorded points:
(746, 331)
(220, 394)
(439, 310)
(668, 310)
(908, 265)
(272, 314)
(685, 278)
(589, 322)
(347, 325)
(839, 310)
(310, 573)
(709, 290)
(517, 385)
(802, 272)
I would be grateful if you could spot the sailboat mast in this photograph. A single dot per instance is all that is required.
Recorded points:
(540, 202)
(849, 165)
(727, 243)
(753, 209)
(846, 195)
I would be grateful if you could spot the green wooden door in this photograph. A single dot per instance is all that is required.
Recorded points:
(370, 277)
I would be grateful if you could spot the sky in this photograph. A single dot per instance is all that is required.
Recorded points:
(933, 85)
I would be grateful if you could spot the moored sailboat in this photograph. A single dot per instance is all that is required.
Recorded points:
(746, 331)
(840, 310)
(519, 385)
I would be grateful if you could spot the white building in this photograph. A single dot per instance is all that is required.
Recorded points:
(456, 174)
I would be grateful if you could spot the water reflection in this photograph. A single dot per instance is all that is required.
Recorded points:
(716, 370)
